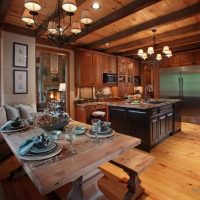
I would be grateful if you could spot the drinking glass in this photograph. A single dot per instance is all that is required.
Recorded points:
(96, 128)
(71, 137)
(34, 120)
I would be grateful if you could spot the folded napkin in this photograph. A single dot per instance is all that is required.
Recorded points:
(36, 141)
(12, 125)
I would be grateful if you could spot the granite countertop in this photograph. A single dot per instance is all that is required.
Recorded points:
(142, 105)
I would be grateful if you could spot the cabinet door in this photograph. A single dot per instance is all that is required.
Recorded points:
(154, 127)
(97, 70)
(175, 61)
(137, 124)
(169, 123)
(83, 71)
(118, 118)
(121, 89)
(113, 65)
(136, 69)
(187, 59)
(162, 127)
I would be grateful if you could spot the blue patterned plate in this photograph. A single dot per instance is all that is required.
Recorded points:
(45, 149)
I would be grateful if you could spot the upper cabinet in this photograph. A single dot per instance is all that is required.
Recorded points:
(97, 60)
(184, 59)
(83, 68)
(90, 66)
(128, 69)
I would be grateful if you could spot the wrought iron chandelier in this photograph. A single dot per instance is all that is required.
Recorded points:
(56, 31)
(151, 50)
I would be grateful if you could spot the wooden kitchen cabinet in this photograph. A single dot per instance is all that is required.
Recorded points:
(187, 59)
(175, 61)
(127, 69)
(90, 66)
(83, 68)
(97, 61)
(109, 64)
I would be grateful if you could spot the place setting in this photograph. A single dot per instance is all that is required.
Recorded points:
(100, 129)
(14, 126)
(38, 148)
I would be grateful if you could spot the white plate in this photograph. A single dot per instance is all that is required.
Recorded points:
(17, 130)
(100, 136)
(44, 156)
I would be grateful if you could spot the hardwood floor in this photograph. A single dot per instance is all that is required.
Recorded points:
(175, 175)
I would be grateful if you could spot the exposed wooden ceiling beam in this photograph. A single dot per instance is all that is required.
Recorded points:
(147, 40)
(17, 29)
(40, 31)
(188, 47)
(172, 44)
(175, 16)
(117, 15)
(4, 6)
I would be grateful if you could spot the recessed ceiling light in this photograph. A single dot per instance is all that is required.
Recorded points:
(96, 5)
(107, 44)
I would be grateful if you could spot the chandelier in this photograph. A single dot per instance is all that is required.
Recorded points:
(151, 50)
(57, 30)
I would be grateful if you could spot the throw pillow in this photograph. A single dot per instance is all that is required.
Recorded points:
(26, 110)
(3, 118)
(12, 113)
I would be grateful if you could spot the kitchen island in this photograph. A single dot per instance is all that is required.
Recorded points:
(151, 121)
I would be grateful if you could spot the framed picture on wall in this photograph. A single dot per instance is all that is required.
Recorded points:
(20, 55)
(20, 82)
(54, 64)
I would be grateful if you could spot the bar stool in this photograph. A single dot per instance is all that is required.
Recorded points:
(98, 115)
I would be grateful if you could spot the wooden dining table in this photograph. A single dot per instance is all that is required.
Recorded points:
(48, 175)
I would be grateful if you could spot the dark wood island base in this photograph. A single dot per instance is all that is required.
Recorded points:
(150, 122)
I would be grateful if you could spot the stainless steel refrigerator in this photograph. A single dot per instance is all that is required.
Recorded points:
(183, 83)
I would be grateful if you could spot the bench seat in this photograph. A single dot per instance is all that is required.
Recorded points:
(121, 179)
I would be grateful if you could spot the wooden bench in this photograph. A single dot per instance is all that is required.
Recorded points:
(121, 175)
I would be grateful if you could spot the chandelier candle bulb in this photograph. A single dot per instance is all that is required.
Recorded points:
(76, 28)
(33, 5)
(166, 49)
(150, 50)
(169, 54)
(86, 17)
(69, 5)
(27, 17)
(158, 57)
(144, 55)
(140, 52)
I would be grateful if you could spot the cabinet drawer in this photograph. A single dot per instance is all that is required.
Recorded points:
(154, 111)
(165, 109)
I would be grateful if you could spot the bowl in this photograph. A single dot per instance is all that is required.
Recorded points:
(79, 130)
(57, 126)
(54, 135)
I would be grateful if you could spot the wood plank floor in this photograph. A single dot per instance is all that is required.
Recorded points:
(175, 175)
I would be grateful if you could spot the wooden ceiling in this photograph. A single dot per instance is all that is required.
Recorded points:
(124, 24)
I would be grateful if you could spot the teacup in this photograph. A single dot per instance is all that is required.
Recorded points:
(105, 126)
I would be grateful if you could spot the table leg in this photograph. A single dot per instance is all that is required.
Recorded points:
(17, 173)
(53, 196)
(76, 193)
